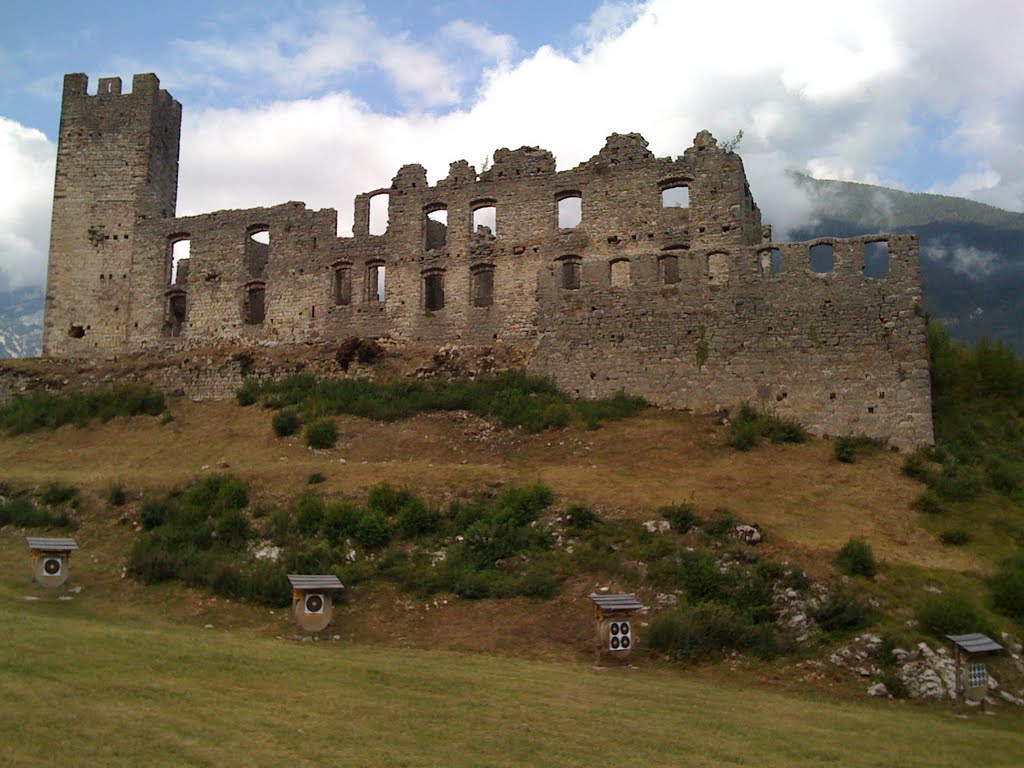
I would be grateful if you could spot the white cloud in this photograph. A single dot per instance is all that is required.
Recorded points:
(26, 167)
(493, 46)
(971, 262)
(306, 53)
(833, 90)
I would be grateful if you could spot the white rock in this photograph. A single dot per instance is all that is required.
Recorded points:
(878, 689)
(657, 526)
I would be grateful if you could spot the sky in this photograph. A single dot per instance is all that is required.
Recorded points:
(319, 101)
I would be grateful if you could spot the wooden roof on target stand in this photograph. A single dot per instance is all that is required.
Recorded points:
(51, 545)
(314, 583)
(617, 602)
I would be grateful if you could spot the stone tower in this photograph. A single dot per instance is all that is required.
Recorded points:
(117, 166)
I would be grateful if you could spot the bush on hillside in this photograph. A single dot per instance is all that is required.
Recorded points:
(322, 434)
(751, 426)
(682, 517)
(951, 614)
(856, 558)
(842, 612)
(286, 422)
(1007, 587)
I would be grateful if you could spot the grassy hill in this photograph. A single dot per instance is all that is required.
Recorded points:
(110, 687)
(417, 669)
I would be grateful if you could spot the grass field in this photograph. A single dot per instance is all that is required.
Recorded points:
(96, 689)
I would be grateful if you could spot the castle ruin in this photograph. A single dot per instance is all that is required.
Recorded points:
(629, 271)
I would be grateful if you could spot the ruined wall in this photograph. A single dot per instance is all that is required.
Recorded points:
(659, 278)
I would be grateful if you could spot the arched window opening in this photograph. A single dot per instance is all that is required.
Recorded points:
(570, 210)
(379, 213)
(257, 250)
(718, 268)
(569, 277)
(481, 285)
(433, 290)
(668, 269)
(341, 284)
(620, 273)
(485, 220)
(823, 258)
(876, 259)
(375, 275)
(254, 309)
(676, 196)
(181, 250)
(436, 225)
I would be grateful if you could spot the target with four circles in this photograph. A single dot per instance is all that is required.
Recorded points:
(620, 636)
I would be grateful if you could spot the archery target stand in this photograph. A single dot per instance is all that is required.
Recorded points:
(312, 603)
(971, 671)
(50, 559)
(616, 633)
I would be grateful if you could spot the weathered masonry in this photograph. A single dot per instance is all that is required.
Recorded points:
(630, 271)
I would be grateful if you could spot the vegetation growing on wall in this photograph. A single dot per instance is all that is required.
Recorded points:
(43, 410)
(513, 399)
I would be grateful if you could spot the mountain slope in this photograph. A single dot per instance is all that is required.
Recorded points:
(972, 255)
(21, 322)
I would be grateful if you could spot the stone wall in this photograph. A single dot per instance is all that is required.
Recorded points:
(677, 295)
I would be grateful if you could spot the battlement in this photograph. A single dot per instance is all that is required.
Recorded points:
(629, 271)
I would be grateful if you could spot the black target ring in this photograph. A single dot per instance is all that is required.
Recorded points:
(51, 566)
(314, 603)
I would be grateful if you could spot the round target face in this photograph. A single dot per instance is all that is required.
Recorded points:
(314, 603)
(625, 643)
(51, 566)
(624, 627)
(614, 643)
(615, 628)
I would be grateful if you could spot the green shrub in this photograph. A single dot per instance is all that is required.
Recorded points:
(929, 503)
(856, 558)
(955, 537)
(322, 434)
(233, 529)
(849, 447)
(248, 393)
(538, 581)
(720, 523)
(316, 478)
(39, 410)
(309, 514)
(267, 583)
(842, 612)
(155, 511)
(386, 499)
(744, 435)
(918, 466)
(796, 578)
(701, 577)
(286, 422)
(215, 494)
(22, 512)
(709, 630)
(682, 517)
(416, 519)
(751, 426)
(950, 614)
(581, 518)
(341, 520)
(58, 493)
(373, 530)
(1007, 588)
(116, 495)
(512, 398)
